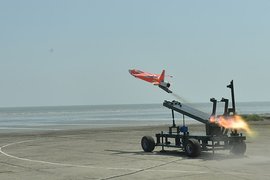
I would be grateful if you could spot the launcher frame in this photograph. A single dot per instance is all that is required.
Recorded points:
(215, 138)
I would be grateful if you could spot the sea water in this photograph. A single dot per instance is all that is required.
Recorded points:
(73, 117)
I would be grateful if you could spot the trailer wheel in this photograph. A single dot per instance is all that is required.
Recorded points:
(148, 143)
(193, 148)
(238, 148)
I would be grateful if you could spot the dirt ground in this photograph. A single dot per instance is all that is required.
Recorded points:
(116, 153)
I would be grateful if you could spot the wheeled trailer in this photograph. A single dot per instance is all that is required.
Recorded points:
(216, 137)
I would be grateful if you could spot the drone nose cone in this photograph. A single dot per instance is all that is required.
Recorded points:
(131, 71)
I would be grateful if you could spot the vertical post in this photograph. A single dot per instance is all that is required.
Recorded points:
(233, 100)
(234, 132)
(214, 101)
(226, 111)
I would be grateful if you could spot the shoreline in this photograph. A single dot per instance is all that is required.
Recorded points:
(116, 127)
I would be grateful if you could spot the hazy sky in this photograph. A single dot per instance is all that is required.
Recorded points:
(67, 52)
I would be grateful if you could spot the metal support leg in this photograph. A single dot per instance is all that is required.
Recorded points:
(162, 142)
(213, 147)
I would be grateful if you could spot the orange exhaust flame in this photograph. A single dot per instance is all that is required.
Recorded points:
(232, 122)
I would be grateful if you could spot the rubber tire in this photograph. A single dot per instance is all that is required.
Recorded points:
(148, 143)
(193, 148)
(238, 148)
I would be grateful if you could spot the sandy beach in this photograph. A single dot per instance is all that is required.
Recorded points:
(116, 153)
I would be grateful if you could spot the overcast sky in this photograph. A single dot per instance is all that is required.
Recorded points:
(67, 52)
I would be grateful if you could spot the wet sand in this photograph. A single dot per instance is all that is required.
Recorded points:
(116, 153)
